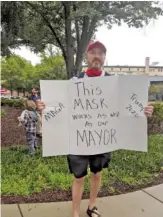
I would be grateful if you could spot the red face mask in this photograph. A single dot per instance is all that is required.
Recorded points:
(93, 72)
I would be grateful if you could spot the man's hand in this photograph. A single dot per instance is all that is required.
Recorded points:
(40, 105)
(148, 110)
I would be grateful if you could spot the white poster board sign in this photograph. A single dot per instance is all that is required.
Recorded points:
(94, 115)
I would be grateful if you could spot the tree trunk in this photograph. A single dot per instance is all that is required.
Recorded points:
(87, 33)
(69, 41)
(24, 92)
(81, 46)
(18, 91)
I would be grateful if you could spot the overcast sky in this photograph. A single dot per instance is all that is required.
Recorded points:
(125, 46)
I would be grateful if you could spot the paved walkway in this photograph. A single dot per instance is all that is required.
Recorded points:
(145, 203)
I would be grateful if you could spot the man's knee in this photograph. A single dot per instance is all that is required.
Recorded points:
(79, 181)
(96, 176)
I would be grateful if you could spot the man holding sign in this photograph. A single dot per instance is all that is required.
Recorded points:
(78, 164)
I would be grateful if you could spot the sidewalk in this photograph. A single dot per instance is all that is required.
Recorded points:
(145, 203)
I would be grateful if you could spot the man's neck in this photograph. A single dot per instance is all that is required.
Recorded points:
(89, 68)
(93, 72)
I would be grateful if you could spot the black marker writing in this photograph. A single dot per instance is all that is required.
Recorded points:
(103, 103)
(114, 114)
(103, 116)
(53, 113)
(77, 86)
(134, 98)
(88, 124)
(91, 105)
(99, 135)
(48, 115)
(78, 102)
(81, 116)
(87, 104)
(101, 123)
(83, 137)
(104, 137)
(132, 111)
(87, 91)
(91, 138)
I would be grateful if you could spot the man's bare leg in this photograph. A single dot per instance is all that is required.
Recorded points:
(95, 187)
(77, 192)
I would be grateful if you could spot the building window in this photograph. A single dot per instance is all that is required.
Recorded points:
(120, 69)
(137, 69)
(129, 69)
(112, 69)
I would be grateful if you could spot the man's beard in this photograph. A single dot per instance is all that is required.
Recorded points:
(96, 66)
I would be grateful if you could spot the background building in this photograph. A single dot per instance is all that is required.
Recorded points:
(151, 70)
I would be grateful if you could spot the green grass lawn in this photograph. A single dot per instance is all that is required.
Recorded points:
(24, 176)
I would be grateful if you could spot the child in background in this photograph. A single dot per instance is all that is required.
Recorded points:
(28, 120)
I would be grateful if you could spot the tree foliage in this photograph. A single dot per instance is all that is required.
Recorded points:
(13, 71)
(12, 24)
(69, 25)
(19, 74)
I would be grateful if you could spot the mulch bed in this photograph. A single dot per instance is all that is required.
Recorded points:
(62, 195)
(155, 128)
(11, 134)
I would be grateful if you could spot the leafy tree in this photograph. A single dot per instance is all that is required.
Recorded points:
(12, 23)
(16, 73)
(156, 88)
(51, 67)
(71, 25)
(19, 74)
(27, 78)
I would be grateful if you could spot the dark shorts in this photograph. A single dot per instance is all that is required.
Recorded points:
(78, 164)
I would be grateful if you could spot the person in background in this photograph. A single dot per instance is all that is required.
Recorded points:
(78, 164)
(35, 96)
(28, 119)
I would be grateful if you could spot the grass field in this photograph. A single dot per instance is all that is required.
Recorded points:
(24, 176)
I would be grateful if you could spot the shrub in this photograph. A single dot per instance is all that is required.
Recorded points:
(6, 102)
(155, 122)
(18, 103)
(157, 117)
(9, 102)
(3, 113)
